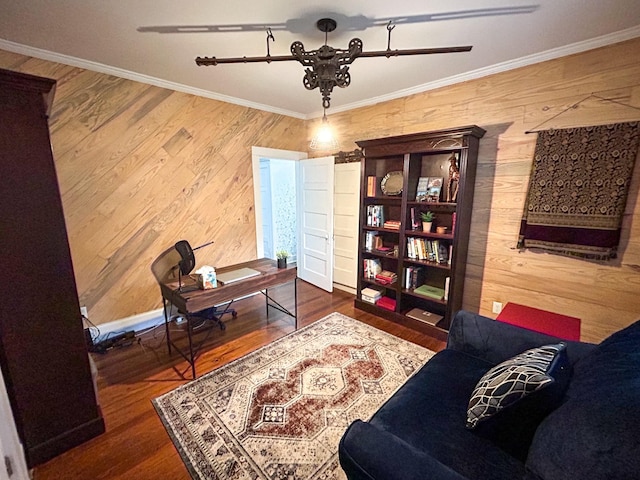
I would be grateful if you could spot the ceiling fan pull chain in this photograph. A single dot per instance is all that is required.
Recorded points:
(390, 26)
(269, 36)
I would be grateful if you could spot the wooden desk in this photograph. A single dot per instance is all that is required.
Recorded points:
(190, 299)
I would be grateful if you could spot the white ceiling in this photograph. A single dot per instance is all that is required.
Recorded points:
(123, 38)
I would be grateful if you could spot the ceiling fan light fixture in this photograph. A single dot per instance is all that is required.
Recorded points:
(324, 139)
(328, 67)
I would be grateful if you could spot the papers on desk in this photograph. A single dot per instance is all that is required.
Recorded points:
(236, 275)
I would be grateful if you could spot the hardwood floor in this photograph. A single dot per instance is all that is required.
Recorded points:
(136, 445)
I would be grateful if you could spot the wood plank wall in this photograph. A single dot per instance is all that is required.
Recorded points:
(605, 296)
(141, 167)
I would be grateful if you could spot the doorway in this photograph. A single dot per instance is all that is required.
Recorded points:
(259, 170)
(278, 197)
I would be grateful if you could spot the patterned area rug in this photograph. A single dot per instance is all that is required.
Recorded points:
(279, 412)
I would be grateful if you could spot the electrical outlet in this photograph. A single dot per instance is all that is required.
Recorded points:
(84, 312)
(497, 307)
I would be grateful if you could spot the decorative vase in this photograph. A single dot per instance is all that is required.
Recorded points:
(426, 226)
(282, 263)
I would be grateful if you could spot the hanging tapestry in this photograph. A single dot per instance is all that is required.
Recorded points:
(578, 190)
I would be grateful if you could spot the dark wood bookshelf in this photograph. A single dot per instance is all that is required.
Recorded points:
(420, 155)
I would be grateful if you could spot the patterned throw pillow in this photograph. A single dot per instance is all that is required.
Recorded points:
(511, 381)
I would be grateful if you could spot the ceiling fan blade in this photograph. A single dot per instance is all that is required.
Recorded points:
(415, 51)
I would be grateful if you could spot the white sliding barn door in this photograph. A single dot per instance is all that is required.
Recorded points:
(345, 223)
(315, 221)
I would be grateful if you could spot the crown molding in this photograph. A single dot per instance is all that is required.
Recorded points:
(552, 54)
(137, 77)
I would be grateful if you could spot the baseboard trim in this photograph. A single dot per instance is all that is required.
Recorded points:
(137, 323)
(344, 288)
(140, 321)
(66, 441)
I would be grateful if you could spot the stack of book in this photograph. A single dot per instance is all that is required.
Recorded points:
(386, 250)
(387, 303)
(386, 277)
(430, 291)
(392, 224)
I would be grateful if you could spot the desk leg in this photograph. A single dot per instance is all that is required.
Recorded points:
(191, 360)
(277, 306)
(166, 324)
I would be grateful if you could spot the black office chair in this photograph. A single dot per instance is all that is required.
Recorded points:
(180, 261)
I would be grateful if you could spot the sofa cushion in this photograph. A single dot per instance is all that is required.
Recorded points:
(429, 414)
(366, 452)
(594, 434)
(512, 398)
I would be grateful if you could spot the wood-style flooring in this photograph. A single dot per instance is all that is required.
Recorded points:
(136, 445)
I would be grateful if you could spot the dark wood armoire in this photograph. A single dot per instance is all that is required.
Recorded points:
(43, 355)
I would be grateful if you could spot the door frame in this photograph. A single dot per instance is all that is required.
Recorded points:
(10, 445)
(271, 153)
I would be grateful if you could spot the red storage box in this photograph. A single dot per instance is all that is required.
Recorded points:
(561, 326)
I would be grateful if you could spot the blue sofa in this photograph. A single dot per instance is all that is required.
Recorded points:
(593, 432)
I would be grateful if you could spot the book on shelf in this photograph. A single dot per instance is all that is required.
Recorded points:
(372, 186)
(372, 267)
(430, 291)
(375, 215)
(415, 220)
(429, 189)
(426, 249)
(424, 316)
(447, 282)
(370, 240)
(392, 224)
(413, 276)
(422, 189)
(443, 253)
(434, 189)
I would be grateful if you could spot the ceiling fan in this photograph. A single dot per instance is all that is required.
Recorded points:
(328, 67)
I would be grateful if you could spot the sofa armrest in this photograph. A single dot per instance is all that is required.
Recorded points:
(368, 453)
(492, 340)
